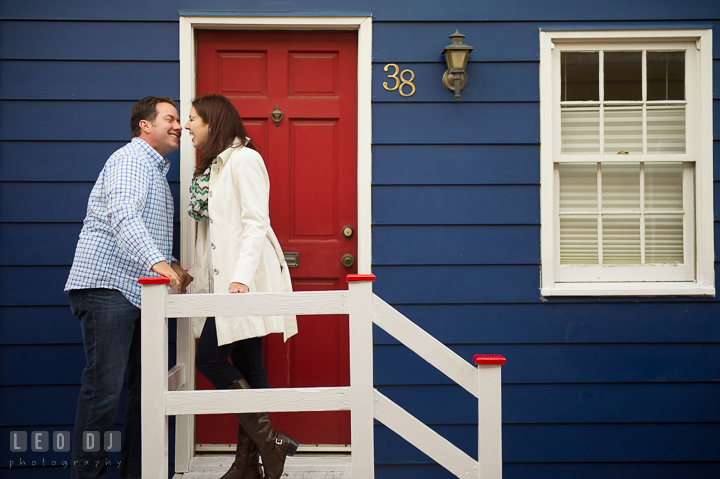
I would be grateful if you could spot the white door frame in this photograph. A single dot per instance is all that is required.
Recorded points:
(185, 425)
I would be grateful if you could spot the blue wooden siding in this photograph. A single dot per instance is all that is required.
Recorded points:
(66, 90)
(593, 388)
(455, 164)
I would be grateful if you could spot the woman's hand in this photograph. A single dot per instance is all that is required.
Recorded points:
(239, 288)
(183, 276)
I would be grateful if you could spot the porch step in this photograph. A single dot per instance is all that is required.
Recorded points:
(299, 466)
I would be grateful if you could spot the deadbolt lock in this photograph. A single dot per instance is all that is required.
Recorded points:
(347, 260)
(348, 231)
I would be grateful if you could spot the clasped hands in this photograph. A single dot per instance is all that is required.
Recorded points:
(180, 278)
(177, 276)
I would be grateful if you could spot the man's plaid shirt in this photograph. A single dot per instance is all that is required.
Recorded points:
(129, 223)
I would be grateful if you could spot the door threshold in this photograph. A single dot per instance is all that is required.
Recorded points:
(303, 449)
(299, 466)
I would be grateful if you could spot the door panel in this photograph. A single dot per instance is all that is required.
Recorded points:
(242, 73)
(313, 74)
(314, 195)
(311, 157)
(257, 129)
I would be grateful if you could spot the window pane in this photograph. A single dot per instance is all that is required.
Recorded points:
(664, 239)
(579, 240)
(579, 73)
(665, 76)
(578, 187)
(663, 186)
(580, 130)
(621, 239)
(666, 129)
(623, 75)
(623, 130)
(620, 186)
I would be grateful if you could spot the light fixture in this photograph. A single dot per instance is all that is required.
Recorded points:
(456, 56)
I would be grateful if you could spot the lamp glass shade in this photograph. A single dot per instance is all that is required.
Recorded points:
(457, 59)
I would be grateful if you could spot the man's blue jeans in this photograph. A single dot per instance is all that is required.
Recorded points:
(111, 334)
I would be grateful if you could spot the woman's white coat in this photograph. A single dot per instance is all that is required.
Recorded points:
(244, 247)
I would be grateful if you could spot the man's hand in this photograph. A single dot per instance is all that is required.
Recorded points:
(185, 278)
(164, 269)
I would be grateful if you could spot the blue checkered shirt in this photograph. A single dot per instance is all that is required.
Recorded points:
(129, 223)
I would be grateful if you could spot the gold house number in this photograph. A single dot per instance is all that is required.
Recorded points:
(400, 82)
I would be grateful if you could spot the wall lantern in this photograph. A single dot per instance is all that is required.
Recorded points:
(456, 56)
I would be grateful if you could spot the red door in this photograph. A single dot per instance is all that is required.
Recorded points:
(311, 156)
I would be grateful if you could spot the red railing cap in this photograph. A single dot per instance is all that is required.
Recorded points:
(154, 280)
(360, 277)
(489, 359)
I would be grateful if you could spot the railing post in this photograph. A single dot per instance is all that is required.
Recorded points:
(185, 424)
(361, 375)
(489, 415)
(153, 385)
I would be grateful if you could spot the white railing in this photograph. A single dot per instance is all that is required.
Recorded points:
(163, 394)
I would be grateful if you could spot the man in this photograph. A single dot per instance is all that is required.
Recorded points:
(127, 233)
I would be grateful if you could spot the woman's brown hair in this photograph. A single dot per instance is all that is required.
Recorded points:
(224, 125)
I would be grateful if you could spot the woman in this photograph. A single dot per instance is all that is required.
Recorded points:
(237, 252)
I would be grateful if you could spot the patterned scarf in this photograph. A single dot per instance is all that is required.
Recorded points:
(198, 207)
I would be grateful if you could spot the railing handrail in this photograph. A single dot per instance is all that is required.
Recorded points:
(162, 397)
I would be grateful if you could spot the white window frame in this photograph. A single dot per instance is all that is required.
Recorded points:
(699, 130)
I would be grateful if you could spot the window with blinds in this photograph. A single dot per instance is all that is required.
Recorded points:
(618, 108)
(625, 154)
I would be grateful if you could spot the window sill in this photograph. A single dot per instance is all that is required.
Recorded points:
(628, 289)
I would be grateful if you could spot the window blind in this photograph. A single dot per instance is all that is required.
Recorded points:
(621, 213)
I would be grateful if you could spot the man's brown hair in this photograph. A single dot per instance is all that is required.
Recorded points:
(146, 109)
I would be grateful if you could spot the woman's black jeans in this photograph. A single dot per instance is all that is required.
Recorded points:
(247, 357)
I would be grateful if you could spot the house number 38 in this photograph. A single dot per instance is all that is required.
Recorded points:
(401, 82)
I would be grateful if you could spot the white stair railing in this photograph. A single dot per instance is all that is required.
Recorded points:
(162, 393)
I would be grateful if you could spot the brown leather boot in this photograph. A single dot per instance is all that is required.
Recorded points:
(273, 446)
(247, 456)
(253, 470)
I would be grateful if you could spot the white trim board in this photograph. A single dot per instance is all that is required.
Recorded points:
(185, 433)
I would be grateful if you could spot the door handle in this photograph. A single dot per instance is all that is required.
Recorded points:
(348, 260)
